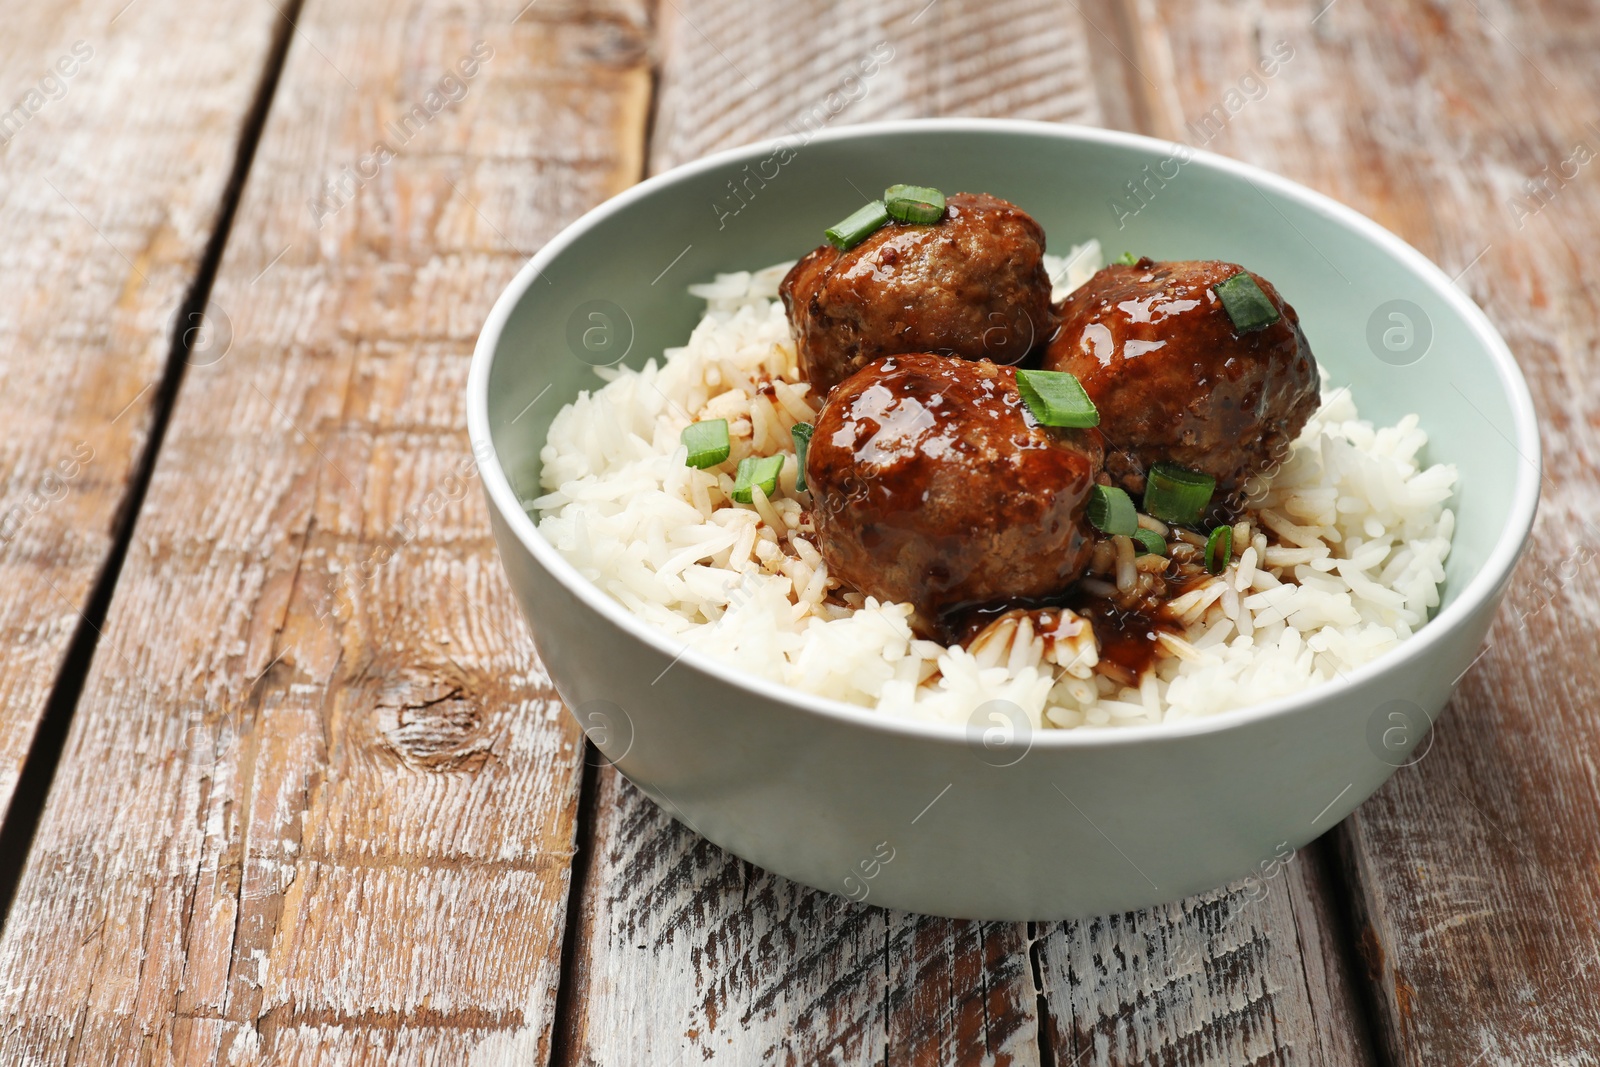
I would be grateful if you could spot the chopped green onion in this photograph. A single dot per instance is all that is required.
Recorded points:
(707, 442)
(914, 203)
(1111, 511)
(857, 226)
(754, 472)
(1176, 494)
(801, 432)
(1149, 541)
(1127, 259)
(1246, 304)
(1219, 549)
(1056, 398)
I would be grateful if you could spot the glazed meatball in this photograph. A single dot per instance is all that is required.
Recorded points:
(972, 285)
(933, 484)
(1175, 381)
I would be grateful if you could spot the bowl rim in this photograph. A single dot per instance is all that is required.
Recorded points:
(1478, 592)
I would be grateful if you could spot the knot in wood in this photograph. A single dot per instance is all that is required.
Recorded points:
(437, 728)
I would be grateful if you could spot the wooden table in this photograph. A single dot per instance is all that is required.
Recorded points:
(283, 779)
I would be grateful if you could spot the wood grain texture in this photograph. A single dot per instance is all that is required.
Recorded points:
(318, 799)
(1250, 973)
(1476, 870)
(732, 73)
(117, 140)
(687, 954)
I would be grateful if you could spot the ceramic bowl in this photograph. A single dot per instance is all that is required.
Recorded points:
(934, 818)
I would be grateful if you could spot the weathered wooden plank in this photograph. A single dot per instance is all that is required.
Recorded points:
(118, 136)
(318, 799)
(1247, 974)
(687, 954)
(732, 73)
(691, 955)
(1470, 130)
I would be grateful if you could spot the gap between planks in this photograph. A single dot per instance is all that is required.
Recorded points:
(563, 1025)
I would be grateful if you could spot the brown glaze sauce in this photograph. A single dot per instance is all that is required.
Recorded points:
(1128, 639)
(962, 625)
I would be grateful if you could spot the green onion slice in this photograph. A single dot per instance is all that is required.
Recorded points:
(1056, 398)
(1111, 511)
(801, 432)
(914, 203)
(1176, 494)
(857, 226)
(707, 442)
(1246, 304)
(753, 472)
(1127, 259)
(1219, 549)
(1149, 541)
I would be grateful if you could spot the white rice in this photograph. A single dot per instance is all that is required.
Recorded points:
(1345, 563)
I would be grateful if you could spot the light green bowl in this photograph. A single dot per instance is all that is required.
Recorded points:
(1085, 821)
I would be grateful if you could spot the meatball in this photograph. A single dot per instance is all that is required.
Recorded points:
(1175, 381)
(972, 285)
(933, 484)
